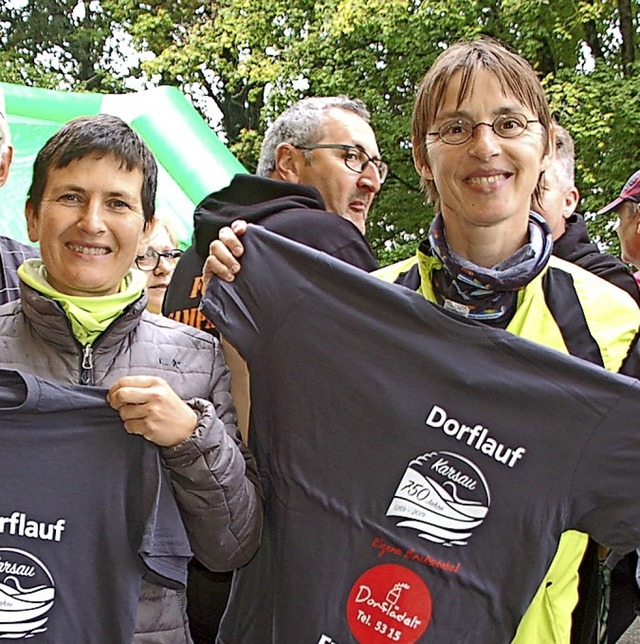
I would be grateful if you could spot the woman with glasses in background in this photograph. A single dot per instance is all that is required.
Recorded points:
(158, 263)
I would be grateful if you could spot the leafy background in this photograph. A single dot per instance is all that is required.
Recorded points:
(242, 61)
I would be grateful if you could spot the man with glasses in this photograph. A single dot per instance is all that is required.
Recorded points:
(318, 159)
(318, 173)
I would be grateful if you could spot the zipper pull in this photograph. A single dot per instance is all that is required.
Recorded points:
(86, 374)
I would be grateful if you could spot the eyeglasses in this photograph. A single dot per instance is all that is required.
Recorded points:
(355, 159)
(151, 259)
(458, 131)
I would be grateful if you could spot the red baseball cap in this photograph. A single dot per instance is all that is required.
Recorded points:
(630, 192)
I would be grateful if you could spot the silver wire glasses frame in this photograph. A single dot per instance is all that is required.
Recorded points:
(151, 259)
(459, 130)
(355, 158)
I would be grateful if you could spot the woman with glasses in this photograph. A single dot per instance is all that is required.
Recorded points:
(482, 136)
(158, 262)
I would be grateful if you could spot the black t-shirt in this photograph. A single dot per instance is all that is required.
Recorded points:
(419, 469)
(85, 513)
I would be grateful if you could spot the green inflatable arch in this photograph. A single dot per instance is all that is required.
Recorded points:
(192, 160)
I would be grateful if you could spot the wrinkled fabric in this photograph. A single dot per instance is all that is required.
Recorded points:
(403, 393)
(214, 482)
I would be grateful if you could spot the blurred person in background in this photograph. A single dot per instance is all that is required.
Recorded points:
(627, 206)
(318, 174)
(158, 261)
(12, 252)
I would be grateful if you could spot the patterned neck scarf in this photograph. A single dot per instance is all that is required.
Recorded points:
(488, 294)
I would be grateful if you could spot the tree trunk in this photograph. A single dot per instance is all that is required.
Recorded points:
(592, 38)
(627, 31)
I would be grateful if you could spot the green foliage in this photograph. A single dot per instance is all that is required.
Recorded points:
(64, 44)
(601, 110)
(252, 58)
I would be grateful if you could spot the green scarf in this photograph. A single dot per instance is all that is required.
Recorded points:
(89, 316)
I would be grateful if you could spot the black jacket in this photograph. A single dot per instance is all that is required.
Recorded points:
(293, 210)
(575, 246)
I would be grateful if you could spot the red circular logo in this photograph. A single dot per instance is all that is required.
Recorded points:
(388, 603)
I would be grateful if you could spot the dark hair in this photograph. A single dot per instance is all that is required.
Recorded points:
(97, 136)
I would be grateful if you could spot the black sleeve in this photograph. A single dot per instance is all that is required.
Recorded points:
(631, 364)
(244, 311)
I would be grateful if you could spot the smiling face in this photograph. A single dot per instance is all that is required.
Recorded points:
(484, 185)
(344, 191)
(89, 224)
